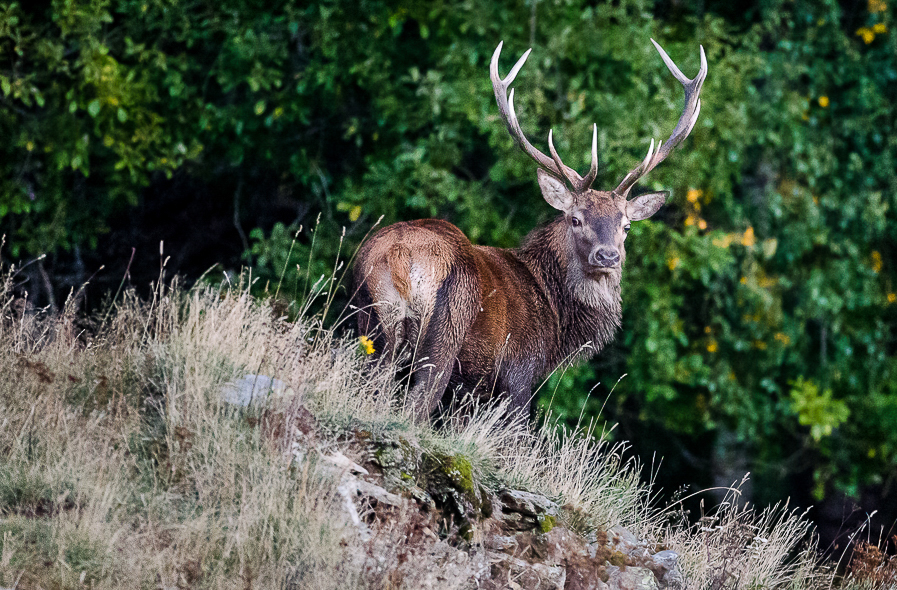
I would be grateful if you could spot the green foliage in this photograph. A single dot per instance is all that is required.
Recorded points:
(762, 300)
(817, 410)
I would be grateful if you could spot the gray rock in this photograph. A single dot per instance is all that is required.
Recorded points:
(526, 503)
(667, 570)
(351, 489)
(344, 462)
(631, 578)
(624, 536)
(421, 496)
(506, 544)
(365, 489)
(348, 493)
(666, 560)
(517, 573)
(672, 581)
(254, 390)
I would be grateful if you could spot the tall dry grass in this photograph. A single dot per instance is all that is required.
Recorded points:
(737, 547)
(121, 466)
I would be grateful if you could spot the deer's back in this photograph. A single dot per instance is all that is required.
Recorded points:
(427, 272)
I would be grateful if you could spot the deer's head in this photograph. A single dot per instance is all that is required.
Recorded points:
(598, 221)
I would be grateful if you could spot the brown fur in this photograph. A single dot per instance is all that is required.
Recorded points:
(490, 319)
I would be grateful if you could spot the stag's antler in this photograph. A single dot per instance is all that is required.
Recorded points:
(686, 121)
(554, 165)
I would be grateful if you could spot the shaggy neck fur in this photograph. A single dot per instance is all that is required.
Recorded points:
(588, 309)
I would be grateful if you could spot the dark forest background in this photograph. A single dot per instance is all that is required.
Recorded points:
(760, 328)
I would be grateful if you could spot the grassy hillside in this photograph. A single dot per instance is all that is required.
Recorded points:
(122, 467)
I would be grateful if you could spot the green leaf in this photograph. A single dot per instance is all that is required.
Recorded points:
(94, 107)
(122, 115)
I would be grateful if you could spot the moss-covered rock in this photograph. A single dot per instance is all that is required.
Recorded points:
(546, 522)
(449, 479)
(524, 511)
(398, 459)
(458, 470)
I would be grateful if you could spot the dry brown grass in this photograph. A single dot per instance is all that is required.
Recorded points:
(871, 567)
(121, 466)
(569, 466)
(737, 547)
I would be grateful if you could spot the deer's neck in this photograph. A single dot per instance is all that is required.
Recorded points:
(588, 309)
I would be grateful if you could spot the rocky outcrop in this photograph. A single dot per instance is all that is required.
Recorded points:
(426, 523)
(420, 520)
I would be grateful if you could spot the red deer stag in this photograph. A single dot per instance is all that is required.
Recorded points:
(497, 319)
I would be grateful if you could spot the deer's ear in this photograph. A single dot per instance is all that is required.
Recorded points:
(554, 191)
(644, 206)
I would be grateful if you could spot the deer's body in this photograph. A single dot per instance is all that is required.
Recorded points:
(495, 320)
(490, 319)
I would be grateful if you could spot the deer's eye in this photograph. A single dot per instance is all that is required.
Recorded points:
(575, 221)
(626, 228)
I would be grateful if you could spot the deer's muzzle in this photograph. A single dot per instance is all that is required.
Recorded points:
(605, 257)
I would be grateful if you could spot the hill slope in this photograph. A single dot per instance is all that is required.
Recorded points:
(195, 440)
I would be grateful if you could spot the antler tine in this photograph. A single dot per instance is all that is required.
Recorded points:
(593, 169)
(573, 179)
(554, 165)
(686, 122)
(506, 108)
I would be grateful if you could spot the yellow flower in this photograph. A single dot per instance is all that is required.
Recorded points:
(823, 101)
(712, 346)
(744, 280)
(690, 220)
(702, 224)
(673, 262)
(693, 195)
(759, 344)
(748, 239)
(355, 213)
(867, 34)
(367, 345)
(877, 5)
(29, 146)
(892, 297)
(879, 28)
(706, 329)
(876, 261)
(783, 338)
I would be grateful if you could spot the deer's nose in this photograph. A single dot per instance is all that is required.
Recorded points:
(605, 257)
